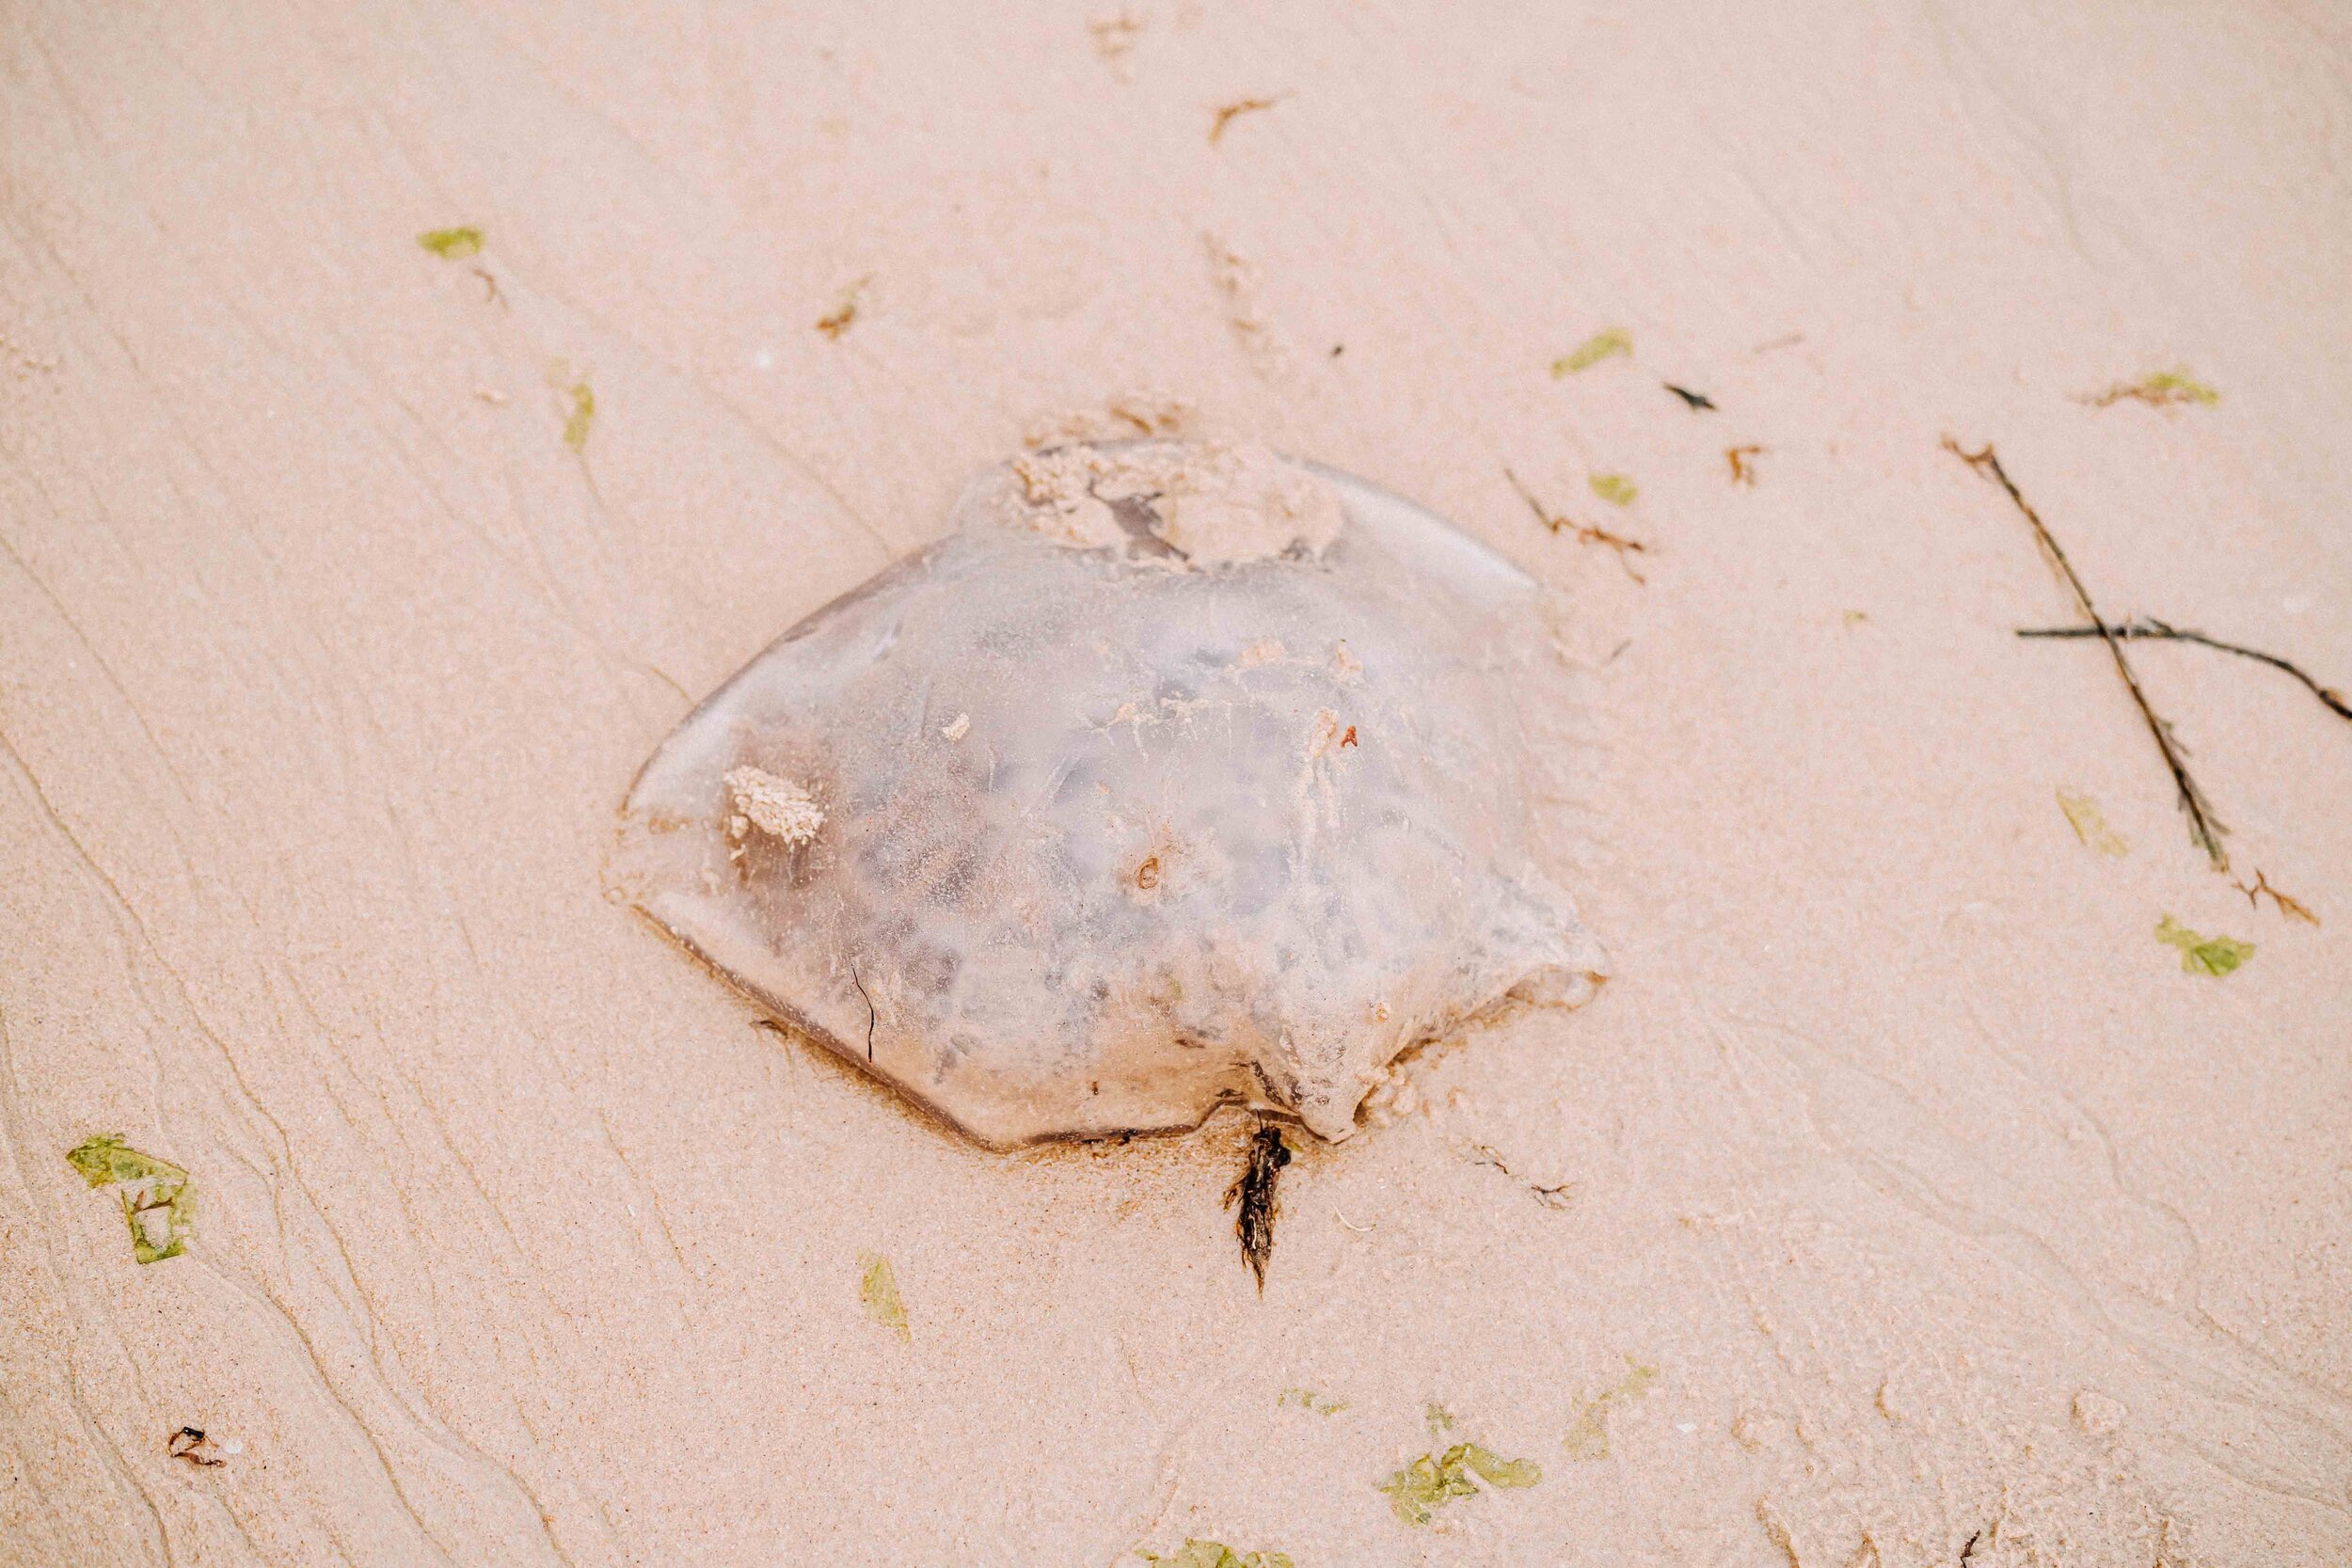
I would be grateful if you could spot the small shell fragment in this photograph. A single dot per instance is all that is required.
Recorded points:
(1177, 775)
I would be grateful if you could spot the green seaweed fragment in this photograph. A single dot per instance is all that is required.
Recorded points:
(583, 414)
(1307, 1398)
(158, 1198)
(1601, 345)
(451, 244)
(1494, 1470)
(1615, 489)
(2083, 815)
(2216, 956)
(2162, 390)
(1215, 1554)
(878, 1291)
(1428, 1483)
(1588, 1440)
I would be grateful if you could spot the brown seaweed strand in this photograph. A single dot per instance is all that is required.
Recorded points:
(1254, 1192)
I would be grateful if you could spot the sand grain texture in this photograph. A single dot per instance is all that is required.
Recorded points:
(1947, 1206)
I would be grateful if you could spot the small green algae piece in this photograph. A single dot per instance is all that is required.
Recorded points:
(176, 1205)
(1494, 1470)
(158, 1199)
(878, 1291)
(1606, 344)
(106, 1159)
(1615, 489)
(1429, 1482)
(583, 414)
(1588, 1440)
(2161, 390)
(451, 244)
(1215, 1554)
(1307, 1398)
(2215, 955)
(2083, 815)
(2179, 387)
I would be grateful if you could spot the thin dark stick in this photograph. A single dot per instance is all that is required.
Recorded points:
(2205, 830)
(2149, 627)
(870, 1011)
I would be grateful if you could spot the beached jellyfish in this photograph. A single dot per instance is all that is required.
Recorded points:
(1176, 775)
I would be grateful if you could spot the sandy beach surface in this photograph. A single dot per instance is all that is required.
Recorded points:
(1904, 1199)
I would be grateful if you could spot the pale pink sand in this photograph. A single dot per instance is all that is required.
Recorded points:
(1947, 1206)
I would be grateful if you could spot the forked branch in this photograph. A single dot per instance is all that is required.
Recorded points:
(2205, 829)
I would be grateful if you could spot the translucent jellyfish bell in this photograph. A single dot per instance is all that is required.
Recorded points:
(1176, 775)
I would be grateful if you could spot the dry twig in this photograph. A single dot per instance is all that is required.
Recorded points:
(2293, 909)
(1587, 534)
(2151, 628)
(2205, 829)
(1233, 111)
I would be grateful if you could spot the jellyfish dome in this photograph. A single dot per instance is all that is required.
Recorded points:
(1176, 775)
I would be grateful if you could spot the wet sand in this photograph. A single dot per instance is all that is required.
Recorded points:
(1907, 1200)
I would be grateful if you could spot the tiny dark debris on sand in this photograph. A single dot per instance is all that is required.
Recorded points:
(189, 1443)
(1562, 1195)
(836, 322)
(1696, 399)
